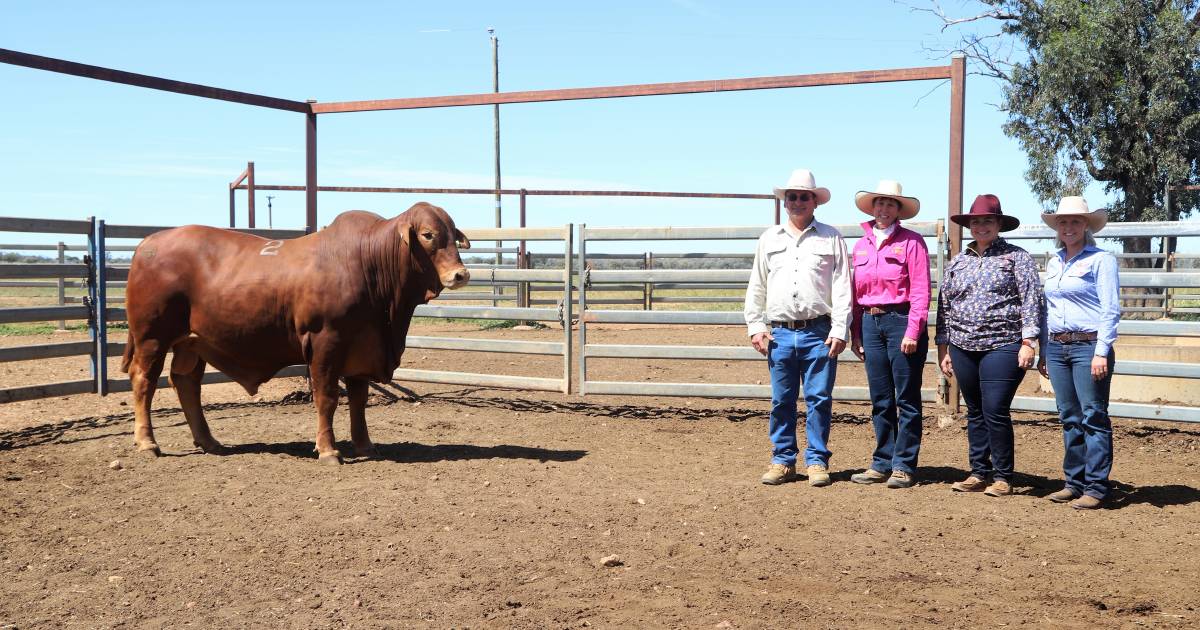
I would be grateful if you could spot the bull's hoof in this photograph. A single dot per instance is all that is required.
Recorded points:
(149, 450)
(215, 448)
(368, 451)
(332, 458)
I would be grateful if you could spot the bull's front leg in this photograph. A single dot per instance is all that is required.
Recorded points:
(357, 388)
(325, 397)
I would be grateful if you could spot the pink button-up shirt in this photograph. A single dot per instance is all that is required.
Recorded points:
(894, 273)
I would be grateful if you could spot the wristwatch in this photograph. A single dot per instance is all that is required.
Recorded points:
(1027, 343)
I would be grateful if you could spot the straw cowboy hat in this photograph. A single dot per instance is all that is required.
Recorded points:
(891, 189)
(802, 179)
(987, 206)
(1076, 206)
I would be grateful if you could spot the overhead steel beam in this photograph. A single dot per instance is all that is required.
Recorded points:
(61, 66)
(646, 89)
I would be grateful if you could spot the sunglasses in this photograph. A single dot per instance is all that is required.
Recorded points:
(803, 196)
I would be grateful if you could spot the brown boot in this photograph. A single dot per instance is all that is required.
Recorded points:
(1063, 496)
(970, 484)
(818, 475)
(1086, 502)
(999, 488)
(868, 476)
(779, 473)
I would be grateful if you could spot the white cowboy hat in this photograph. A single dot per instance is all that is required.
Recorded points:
(1076, 206)
(802, 179)
(909, 206)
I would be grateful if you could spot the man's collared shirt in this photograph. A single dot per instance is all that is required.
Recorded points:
(799, 278)
(1083, 295)
(990, 300)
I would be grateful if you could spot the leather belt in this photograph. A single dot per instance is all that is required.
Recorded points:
(886, 308)
(1070, 337)
(801, 323)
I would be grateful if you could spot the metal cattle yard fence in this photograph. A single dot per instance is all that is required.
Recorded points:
(97, 273)
(575, 281)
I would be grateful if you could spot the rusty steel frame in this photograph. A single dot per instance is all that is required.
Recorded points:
(645, 89)
(955, 72)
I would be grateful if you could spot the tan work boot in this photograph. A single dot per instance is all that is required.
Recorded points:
(1063, 496)
(818, 476)
(1086, 502)
(998, 488)
(970, 484)
(779, 473)
(869, 475)
(900, 479)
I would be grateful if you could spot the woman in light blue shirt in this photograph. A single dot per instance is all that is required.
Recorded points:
(1082, 311)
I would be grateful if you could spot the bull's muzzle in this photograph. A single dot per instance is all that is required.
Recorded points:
(456, 278)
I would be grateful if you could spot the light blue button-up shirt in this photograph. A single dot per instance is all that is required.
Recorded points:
(1083, 295)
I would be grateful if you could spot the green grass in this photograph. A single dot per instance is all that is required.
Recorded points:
(116, 329)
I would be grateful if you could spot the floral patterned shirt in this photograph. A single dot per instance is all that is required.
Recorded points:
(989, 301)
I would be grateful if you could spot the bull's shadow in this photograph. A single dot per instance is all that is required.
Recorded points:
(412, 452)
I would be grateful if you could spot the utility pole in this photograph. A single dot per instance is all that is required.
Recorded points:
(496, 127)
(270, 223)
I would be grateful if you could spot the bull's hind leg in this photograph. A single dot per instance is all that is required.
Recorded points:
(144, 369)
(187, 370)
(357, 388)
(325, 397)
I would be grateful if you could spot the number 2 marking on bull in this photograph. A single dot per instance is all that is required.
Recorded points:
(271, 248)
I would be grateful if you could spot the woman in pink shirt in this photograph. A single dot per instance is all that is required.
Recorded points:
(891, 310)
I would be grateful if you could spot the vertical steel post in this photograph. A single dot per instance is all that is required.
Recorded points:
(568, 247)
(62, 283)
(496, 134)
(101, 311)
(958, 88)
(522, 258)
(777, 216)
(647, 263)
(582, 308)
(232, 205)
(310, 171)
(92, 276)
(250, 192)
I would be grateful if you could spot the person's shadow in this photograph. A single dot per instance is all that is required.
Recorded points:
(1121, 495)
(410, 452)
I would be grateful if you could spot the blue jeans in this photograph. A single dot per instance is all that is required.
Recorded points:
(988, 380)
(895, 382)
(1083, 407)
(795, 357)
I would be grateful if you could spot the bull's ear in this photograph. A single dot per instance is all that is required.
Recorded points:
(463, 243)
(406, 233)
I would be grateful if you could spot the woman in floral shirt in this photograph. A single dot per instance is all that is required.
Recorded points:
(987, 323)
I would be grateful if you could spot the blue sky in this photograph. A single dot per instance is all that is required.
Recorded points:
(77, 147)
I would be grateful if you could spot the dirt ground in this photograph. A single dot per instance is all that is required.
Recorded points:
(493, 508)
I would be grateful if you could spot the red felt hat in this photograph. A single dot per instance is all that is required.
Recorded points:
(987, 205)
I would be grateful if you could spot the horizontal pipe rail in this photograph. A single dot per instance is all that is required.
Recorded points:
(1118, 409)
(647, 89)
(48, 226)
(48, 390)
(43, 270)
(486, 345)
(720, 390)
(484, 380)
(41, 314)
(62, 66)
(513, 191)
(477, 312)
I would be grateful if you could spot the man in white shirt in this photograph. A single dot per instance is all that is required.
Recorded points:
(798, 311)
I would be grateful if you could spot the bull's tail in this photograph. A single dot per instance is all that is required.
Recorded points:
(128, 358)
